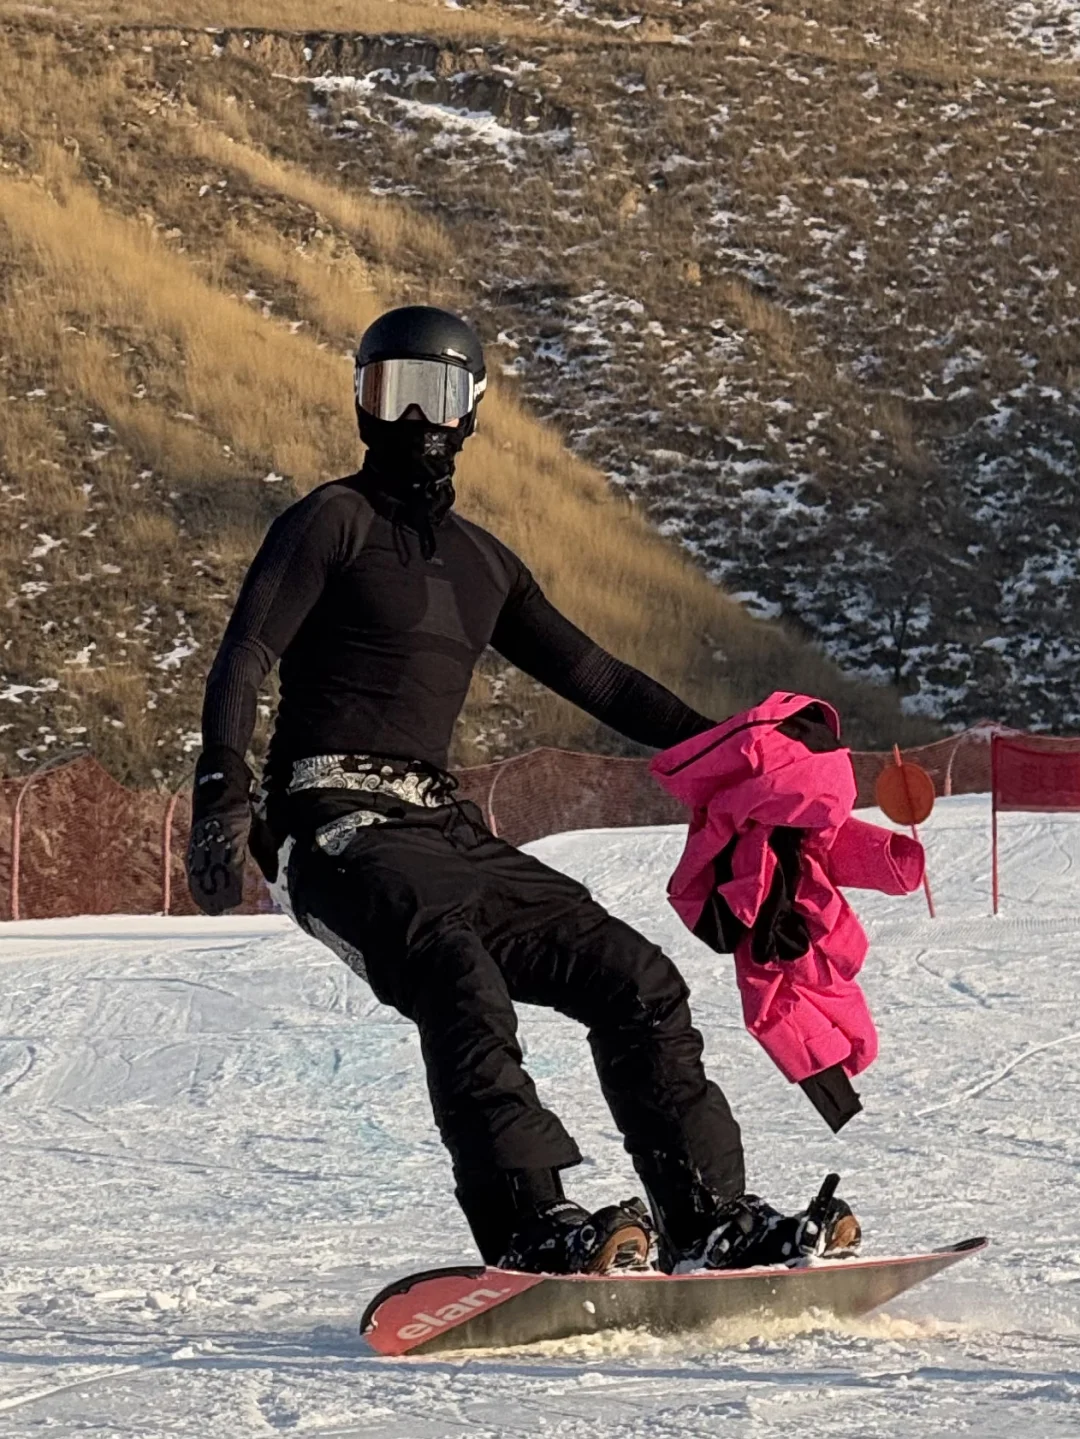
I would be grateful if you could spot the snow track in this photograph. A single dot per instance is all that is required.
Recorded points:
(216, 1146)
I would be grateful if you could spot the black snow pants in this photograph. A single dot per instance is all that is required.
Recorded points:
(453, 925)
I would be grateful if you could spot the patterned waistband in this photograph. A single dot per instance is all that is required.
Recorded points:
(364, 776)
(407, 780)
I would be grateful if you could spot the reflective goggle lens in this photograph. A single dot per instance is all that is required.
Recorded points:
(443, 392)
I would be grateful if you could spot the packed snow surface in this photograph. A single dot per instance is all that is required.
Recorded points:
(217, 1146)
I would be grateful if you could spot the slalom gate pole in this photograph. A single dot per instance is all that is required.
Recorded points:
(915, 832)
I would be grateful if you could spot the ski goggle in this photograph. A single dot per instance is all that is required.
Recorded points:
(443, 392)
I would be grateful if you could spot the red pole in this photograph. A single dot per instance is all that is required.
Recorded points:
(914, 829)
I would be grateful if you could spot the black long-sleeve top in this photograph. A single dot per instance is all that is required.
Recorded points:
(377, 645)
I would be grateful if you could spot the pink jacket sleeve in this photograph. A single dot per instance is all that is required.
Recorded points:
(866, 856)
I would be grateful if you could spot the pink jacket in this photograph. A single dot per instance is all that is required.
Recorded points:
(741, 779)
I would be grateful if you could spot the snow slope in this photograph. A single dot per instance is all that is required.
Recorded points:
(216, 1146)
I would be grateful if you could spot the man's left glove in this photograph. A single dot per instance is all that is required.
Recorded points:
(220, 826)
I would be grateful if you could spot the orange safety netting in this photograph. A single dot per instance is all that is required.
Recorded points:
(88, 845)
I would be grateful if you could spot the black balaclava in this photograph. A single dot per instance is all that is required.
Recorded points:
(411, 462)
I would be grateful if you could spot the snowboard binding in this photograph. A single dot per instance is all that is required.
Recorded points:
(747, 1233)
(829, 1225)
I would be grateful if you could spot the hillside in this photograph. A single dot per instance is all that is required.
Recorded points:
(807, 290)
(196, 227)
(218, 1147)
(185, 267)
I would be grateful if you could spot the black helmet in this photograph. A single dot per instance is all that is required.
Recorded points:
(424, 357)
(423, 332)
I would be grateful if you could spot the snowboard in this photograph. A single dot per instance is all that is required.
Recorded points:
(473, 1307)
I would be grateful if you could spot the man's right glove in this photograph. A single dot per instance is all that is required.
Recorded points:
(220, 825)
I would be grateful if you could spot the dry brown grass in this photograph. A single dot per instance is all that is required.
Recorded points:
(770, 324)
(423, 17)
(385, 227)
(240, 376)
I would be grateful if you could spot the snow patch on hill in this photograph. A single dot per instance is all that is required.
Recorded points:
(1051, 26)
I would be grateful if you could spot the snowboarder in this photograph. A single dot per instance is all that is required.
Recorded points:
(378, 599)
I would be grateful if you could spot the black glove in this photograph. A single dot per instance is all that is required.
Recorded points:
(220, 825)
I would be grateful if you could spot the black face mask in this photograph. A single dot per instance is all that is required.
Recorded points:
(412, 464)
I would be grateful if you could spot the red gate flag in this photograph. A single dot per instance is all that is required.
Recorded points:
(1035, 774)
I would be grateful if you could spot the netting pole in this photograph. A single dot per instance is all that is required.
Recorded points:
(16, 820)
(16, 847)
(492, 825)
(166, 854)
(948, 769)
(166, 846)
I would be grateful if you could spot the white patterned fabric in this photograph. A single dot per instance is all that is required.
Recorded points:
(368, 776)
(341, 947)
(279, 888)
(334, 838)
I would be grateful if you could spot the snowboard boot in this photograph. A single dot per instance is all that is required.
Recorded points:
(564, 1238)
(698, 1230)
(747, 1233)
(521, 1219)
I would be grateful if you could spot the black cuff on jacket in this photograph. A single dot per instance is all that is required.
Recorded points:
(222, 781)
(832, 1095)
